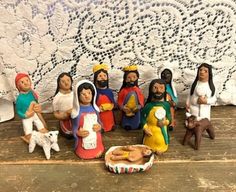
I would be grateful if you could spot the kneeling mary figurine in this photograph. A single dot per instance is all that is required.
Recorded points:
(85, 121)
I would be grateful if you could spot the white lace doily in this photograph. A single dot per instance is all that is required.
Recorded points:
(47, 37)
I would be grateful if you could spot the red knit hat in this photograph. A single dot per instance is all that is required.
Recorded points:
(20, 76)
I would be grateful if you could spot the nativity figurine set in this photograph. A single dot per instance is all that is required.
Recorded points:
(63, 103)
(87, 111)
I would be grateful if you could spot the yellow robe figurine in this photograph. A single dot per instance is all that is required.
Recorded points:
(156, 137)
(132, 104)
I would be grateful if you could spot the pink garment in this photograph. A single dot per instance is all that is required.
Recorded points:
(88, 153)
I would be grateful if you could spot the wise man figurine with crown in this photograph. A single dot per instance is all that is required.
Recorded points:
(105, 98)
(130, 99)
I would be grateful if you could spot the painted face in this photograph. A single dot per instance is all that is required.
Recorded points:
(158, 88)
(24, 84)
(159, 91)
(65, 83)
(131, 77)
(203, 74)
(102, 80)
(85, 97)
(102, 76)
(166, 75)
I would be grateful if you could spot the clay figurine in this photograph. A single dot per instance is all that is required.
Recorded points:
(171, 96)
(202, 94)
(156, 117)
(131, 154)
(105, 98)
(130, 99)
(27, 107)
(85, 121)
(47, 141)
(197, 127)
(63, 103)
(129, 159)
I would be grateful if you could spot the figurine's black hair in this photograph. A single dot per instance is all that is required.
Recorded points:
(210, 79)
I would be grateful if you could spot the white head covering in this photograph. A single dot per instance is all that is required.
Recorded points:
(76, 106)
(172, 82)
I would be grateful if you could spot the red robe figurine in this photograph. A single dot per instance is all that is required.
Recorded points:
(105, 98)
(130, 99)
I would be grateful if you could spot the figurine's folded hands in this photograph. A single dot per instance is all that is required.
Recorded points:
(202, 100)
(82, 133)
(29, 113)
(106, 107)
(97, 127)
(69, 112)
(136, 109)
(66, 114)
(101, 108)
(37, 108)
(126, 109)
(160, 123)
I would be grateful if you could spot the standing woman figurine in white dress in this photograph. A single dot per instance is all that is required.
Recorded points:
(63, 103)
(202, 94)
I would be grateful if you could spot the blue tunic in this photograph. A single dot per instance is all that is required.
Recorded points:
(132, 122)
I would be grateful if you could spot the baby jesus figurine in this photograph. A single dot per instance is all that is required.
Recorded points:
(130, 154)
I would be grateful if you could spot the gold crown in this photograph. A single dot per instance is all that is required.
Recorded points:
(130, 68)
(99, 67)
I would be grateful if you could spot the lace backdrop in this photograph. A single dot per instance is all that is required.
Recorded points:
(47, 37)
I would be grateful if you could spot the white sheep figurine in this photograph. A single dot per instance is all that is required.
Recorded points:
(45, 140)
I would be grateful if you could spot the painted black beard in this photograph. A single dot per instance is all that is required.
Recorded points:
(103, 83)
(132, 83)
(158, 96)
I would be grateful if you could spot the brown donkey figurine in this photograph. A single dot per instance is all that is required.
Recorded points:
(195, 127)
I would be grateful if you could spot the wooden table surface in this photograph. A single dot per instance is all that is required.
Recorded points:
(181, 168)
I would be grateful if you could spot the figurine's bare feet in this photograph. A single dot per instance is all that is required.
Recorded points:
(26, 138)
(43, 130)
